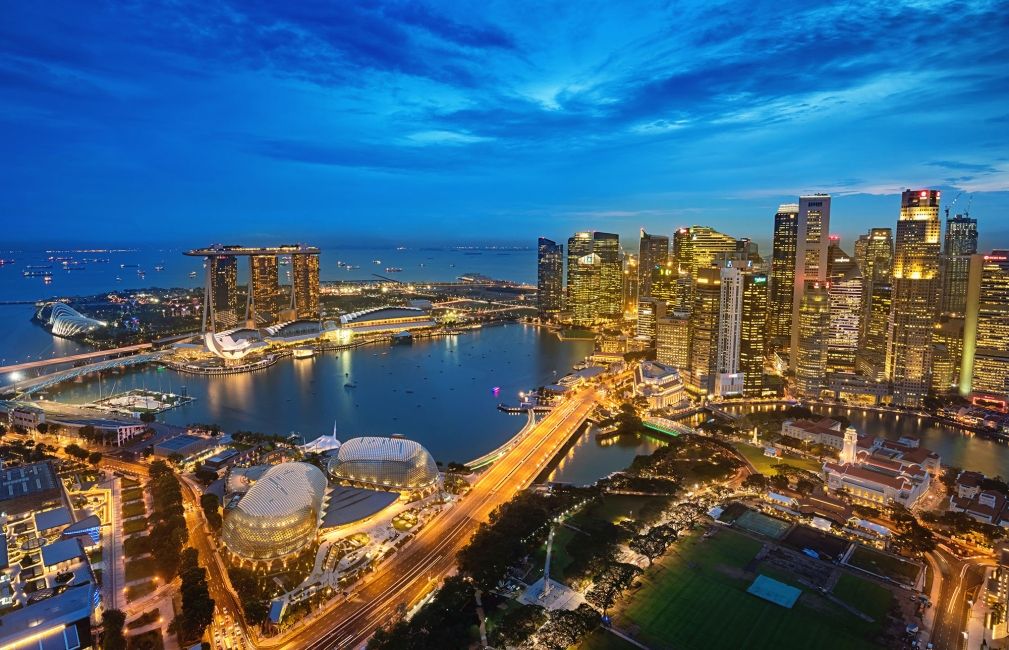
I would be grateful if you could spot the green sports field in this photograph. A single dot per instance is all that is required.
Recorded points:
(696, 598)
(766, 464)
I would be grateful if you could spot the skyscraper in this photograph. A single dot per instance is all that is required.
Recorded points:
(549, 277)
(874, 254)
(708, 246)
(810, 350)
(959, 244)
(265, 290)
(782, 289)
(812, 239)
(595, 286)
(630, 283)
(653, 253)
(728, 380)
(870, 360)
(650, 310)
(990, 381)
(947, 351)
(305, 281)
(845, 292)
(224, 292)
(753, 332)
(704, 331)
(915, 284)
(672, 339)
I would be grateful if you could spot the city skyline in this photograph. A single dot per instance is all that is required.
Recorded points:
(322, 123)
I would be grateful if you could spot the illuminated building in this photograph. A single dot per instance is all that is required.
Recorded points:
(672, 339)
(594, 277)
(753, 332)
(704, 331)
(915, 289)
(947, 350)
(959, 244)
(65, 321)
(728, 380)
(386, 463)
(811, 242)
(650, 310)
(305, 289)
(549, 277)
(630, 283)
(870, 360)
(809, 354)
(224, 292)
(845, 291)
(990, 382)
(264, 290)
(653, 253)
(279, 515)
(660, 384)
(874, 255)
(708, 246)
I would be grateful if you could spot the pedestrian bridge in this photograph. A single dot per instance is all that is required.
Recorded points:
(668, 427)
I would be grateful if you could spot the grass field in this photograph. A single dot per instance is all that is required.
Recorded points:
(141, 568)
(884, 564)
(765, 464)
(134, 526)
(126, 482)
(132, 494)
(696, 597)
(133, 509)
(603, 640)
(864, 595)
(139, 590)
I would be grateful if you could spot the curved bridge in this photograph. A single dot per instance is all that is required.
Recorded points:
(35, 384)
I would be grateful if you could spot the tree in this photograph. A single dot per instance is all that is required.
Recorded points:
(42, 427)
(756, 482)
(197, 605)
(517, 625)
(147, 417)
(610, 583)
(566, 628)
(779, 481)
(95, 457)
(212, 510)
(76, 451)
(655, 542)
(175, 459)
(113, 621)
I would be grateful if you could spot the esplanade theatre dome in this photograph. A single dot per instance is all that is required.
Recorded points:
(279, 515)
(386, 463)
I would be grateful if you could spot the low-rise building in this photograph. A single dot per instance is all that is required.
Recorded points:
(818, 432)
(868, 477)
(660, 384)
(987, 506)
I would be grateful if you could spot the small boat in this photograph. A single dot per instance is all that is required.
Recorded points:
(393, 269)
(192, 274)
(159, 267)
(350, 385)
(377, 262)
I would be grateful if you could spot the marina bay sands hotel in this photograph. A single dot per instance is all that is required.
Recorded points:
(266, 303)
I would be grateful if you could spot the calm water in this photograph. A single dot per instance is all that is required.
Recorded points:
(439, 392)
(956, 448)
(590, 459)
(95, 278)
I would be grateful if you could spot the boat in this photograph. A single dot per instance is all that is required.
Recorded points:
(192, 274)
(128, 266)
(393, 269)
(377, 262)
(350, 385)
(159, 267)
(303, 353)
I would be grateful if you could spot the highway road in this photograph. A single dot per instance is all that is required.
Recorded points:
(421, 565)
(960, 582)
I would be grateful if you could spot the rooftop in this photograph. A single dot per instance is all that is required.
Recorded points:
(26, 480)
(52, 518)
(349, 504)
(68, 607)
(180, 442)
(61, 551)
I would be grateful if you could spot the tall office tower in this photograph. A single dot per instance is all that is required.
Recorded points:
(729, 381)
(782, 289)
(264, 290)
(549, 277)
(583, 288)
(305, 281)
(753, 333)
(650, 310)
(915, 284)
(683, 288)
(990, 381)
(811, 241)
(672, 339)
(630, 286)
(845, 291)
(947, 350)
(224, 292)
(958, 245)
(683, 250)
(605, 303)
(653, 253)
(874, 254)
(870, 361)
(704, 331)
(810, 349)
(707, 247)
(664, 283)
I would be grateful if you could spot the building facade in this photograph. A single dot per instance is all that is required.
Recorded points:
(266, 294)
(810, 350)
(672, 339)
(959, 243)
(305, 290)
(549, 277)
(729, 380)
(595, 285)
(991, 349)
(915, 290)
(845, 291)
(812, 240)
(224, 292)
(704, 331)
(753, 332)
(782, 281)
(653, 253)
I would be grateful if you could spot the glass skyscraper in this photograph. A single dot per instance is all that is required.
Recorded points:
(549, 277)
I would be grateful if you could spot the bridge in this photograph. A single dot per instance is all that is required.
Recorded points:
(35, 384)
(96, 354)
(668, 427)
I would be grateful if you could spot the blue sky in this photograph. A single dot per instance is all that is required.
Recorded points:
(336, 121)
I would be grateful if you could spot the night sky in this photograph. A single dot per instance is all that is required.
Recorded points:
(399, 122)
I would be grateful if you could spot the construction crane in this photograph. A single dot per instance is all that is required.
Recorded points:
(952, 204)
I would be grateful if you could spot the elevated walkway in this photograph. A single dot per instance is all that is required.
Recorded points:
(668, 427)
